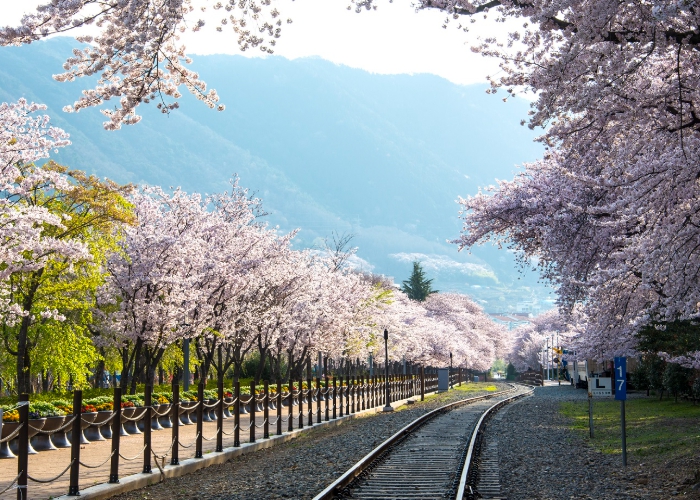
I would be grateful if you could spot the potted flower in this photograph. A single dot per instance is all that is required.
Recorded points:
(53, 419)
(188, 407)
(103, 406)
(88, 414)
(162, 402)
(60, 439)
(228, 398)
(10, 423)
(128, 404)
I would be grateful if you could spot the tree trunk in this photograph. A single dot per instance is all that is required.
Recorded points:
(261, 367)
(23, 347)
(45, 381)
(23, 361)
(99, 375)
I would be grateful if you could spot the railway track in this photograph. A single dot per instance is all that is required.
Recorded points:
(439, 455)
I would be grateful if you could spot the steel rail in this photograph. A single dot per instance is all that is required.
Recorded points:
(356, 470)
(471, 456)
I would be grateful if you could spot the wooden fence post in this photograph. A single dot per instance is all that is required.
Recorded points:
(290, 407)
(309, 400)
(301, 404)
(327, 409)
(252, 411)
(74, 487)
(318, 400)
(147, 403)
(23, 451)
(237, 416)
(341, 396)
(220, 413)
(200, 424)
(116, 434)
(279, 407)
(266, 411)
(175, 418)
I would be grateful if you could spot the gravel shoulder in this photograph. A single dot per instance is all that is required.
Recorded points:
(300, 468)
(540, 457)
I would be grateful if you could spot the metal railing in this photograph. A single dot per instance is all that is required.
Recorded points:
(334, 397)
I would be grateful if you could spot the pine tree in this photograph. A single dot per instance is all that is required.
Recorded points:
(417, 287)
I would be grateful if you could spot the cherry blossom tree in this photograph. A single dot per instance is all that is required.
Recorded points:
(53, 226)
(529, 340)
(609, 214)
(427, 332)
(478, 341)
(136, 55)
(237, 251)
(153, 278)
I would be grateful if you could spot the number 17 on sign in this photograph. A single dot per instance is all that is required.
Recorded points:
(621, 395)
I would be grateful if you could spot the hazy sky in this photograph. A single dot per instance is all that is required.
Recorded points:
(392, 39)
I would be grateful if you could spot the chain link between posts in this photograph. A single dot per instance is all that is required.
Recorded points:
(44, 481)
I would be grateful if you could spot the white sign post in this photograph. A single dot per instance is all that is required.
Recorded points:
(601, 386)
(597, 387)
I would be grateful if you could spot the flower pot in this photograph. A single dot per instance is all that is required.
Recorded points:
(60, 439)
(35, 426)
(131, 426)
(156, 420)
(7, 429)
(183, 413)
(164, 420)
(126, 413)
(42, 441)
(92, 432)
(245, 403)
(227, 408)
(206, 412)
(86, 419)
(106, 429)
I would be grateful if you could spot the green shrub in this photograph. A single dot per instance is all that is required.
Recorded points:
(137, 399)
(639, 379)
(696, 388)
(44, 409)
(511, 372)
(676, 379)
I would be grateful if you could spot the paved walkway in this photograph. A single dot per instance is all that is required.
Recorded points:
(47, 464)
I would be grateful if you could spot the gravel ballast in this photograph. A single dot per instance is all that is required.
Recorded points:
(300, 468)
(540, 457)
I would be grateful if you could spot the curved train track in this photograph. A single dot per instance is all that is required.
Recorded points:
(439, 455)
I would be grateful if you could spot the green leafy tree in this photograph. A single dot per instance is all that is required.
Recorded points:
(654, 367)
(674, 337)
(696, 390)
(676, 379)
(511, 372)
(640, 379)
(417, 287)
(58, 293)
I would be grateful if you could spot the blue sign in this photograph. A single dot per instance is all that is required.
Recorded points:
(621, 378)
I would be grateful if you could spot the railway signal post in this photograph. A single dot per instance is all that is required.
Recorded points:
(621, 396)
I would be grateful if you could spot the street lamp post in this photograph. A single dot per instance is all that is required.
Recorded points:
(450, 374)
(387, 406)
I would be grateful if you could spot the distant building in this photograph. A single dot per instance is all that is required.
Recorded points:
(512, 320)
(529, 307)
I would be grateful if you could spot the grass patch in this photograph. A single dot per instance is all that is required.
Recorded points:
(656, 430)
(476, 387)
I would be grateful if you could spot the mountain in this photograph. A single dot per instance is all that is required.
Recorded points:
(327, 147)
